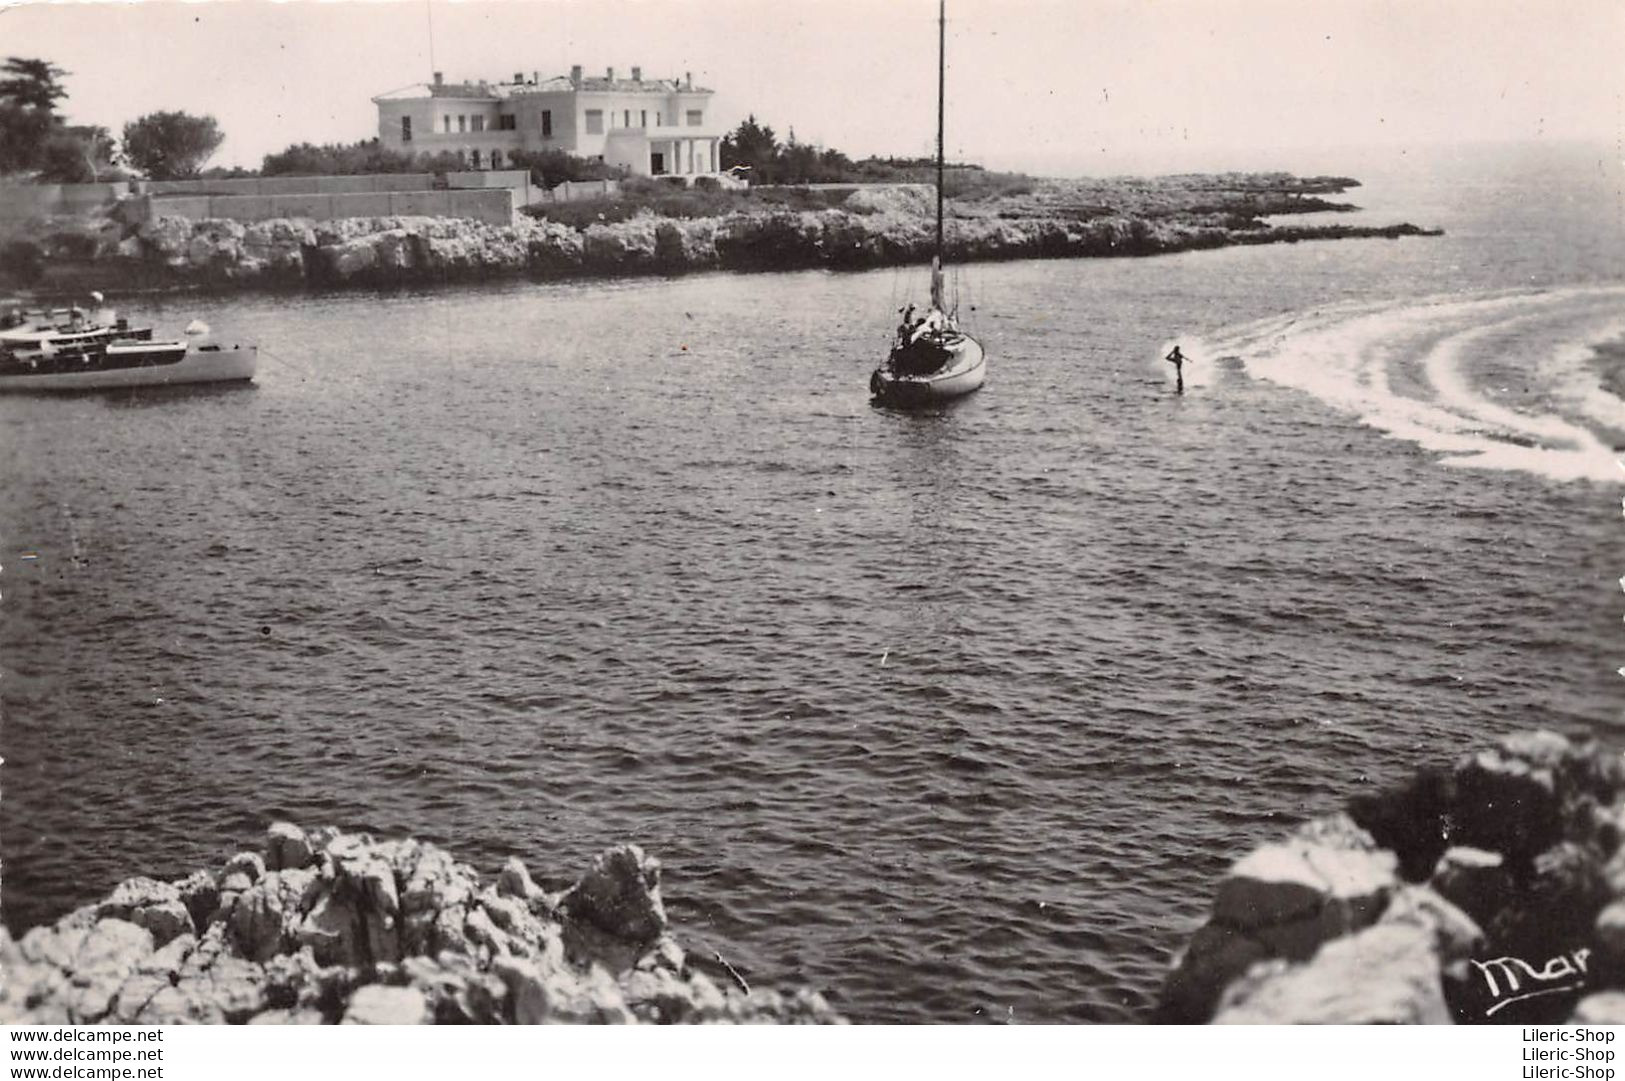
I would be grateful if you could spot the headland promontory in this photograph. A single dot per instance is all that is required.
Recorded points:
(653, 229)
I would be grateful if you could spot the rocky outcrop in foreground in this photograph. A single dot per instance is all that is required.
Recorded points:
(331, 927)
(1489, 892)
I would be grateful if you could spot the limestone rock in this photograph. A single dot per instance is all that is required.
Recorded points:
(241, 871)
(251, 864)
(1415, 820)
(1386, 974)
(1609, 934)
(434, 883)
(333, 931)
(294, 979)
(134, 995)
(178, 1005)
(807, 1007)
(168, 959)
(1604, 1008)
(104, 960)
(54, 946)
(1213, 959)
(543, 996)
(378, 1005)
(457, 991)
(287, 1017)
(236, 987)
(659, 998)
(514, 881)
(621, 895)
(1292, 897)
(201, 896)
(1505, 804)
(448, 933)
(1453, 934)
(627, 245)
(1335, 831)
(1473, 880)
(266, 917)
(165, 920)
(1558, 906)
(286, 847)
(332, 926)
(136, 893)
(484, 933)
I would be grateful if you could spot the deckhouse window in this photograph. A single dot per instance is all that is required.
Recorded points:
(595, 121)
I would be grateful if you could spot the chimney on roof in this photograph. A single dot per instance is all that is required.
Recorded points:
(439, 78)
(611, 74)
(637, 75)
(575, 76)
(518, 77)
(688, 80)
(535, 77)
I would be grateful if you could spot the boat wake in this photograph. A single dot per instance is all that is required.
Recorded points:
(1509, 381)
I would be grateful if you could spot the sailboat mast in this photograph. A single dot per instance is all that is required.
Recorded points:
(942, 83)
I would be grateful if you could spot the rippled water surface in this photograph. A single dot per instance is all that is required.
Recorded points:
(955, 715)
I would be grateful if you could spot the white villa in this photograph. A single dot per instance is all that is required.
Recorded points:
(654, 127)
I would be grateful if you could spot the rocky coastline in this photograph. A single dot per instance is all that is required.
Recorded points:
(1488, 891)
(871, 228)
(1491, 891)
(329, 927)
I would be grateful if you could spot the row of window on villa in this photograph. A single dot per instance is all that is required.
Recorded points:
(505, 122)
(595, 119)
(510, 122)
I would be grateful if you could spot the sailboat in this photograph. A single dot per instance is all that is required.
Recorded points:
(931, 359)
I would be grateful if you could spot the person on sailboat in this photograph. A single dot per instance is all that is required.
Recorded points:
(1177, 359)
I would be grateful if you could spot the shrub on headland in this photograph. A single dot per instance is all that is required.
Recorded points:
(366, 157)
(755, 146)
(550, 168)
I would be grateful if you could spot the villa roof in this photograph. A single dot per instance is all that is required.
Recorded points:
(557, 84)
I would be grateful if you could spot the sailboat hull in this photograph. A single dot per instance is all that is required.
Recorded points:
(964, 372)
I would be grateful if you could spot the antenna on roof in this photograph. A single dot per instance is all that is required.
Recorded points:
(428, 11)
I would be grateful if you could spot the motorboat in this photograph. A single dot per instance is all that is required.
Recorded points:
(70, 349)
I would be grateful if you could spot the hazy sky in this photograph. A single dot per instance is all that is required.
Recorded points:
(1062, 85)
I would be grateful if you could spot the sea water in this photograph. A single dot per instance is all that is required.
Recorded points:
(957, 715)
